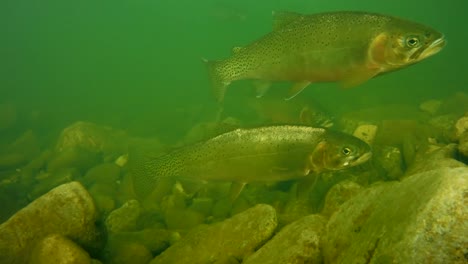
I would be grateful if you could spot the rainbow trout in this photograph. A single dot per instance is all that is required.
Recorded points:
(345, 47)
(267, 154)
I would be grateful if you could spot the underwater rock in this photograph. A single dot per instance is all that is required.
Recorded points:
(351, 120)
(183, 219)
(445, 124)
(434, 157)
(421, 219)
(124, 218)
(339, 194)
(461, 135)
(366, 133)
(176, 214)
(461, 126)
(35, 166)
(391, 160)
(20, 151)
(236, 237)
(129, 253)
(104, 196)
(11, 160)
(58, 250)
(73, 158)
(456, 104)
(394, 132)
(66, 210)
(125, 189)
(202, 205)
(105, 173)
(47, 181)
(93, 138)
(298, 206)
(222, 208)
(430, 106)
(463, 144)
(155, 240)
(298, 242)
(121, 160)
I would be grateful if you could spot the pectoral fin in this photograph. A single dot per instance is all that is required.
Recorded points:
(359, 77)
(305, 185)
(296, 89)
(376, 55)
(235, 190)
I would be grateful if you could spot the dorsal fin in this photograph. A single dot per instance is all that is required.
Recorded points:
(236, 50)
(283, 18)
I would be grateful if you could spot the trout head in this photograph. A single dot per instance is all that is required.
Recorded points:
(403, 43)
(339, 151)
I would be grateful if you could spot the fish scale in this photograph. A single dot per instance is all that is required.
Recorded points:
(275, 153)
(345, 47)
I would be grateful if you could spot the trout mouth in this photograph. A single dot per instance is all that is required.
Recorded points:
(434, 48)
(363, 158)
(352, 162)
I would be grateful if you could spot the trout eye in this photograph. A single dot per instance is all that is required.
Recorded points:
(412, 42)
(346, 151)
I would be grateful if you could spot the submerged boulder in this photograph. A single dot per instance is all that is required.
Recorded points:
(124, 218)
(67, 210)
(92, 137)
(234, 238)
(298, 242)
(421, 219)
(82, 145)
(18, 152)
(434, 157)
(58, 250)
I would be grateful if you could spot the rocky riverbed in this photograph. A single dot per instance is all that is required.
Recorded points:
(73, 201)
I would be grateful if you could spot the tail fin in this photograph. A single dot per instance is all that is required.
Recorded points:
(143, 173)
(218, 82)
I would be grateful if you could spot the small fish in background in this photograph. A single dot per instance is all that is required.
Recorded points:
(266, 154)
(346, 47)
(304, 112)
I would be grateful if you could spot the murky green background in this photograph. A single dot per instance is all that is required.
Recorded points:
(137, 65)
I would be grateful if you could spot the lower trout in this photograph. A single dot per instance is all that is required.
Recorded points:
(267, 154)
(345, 47)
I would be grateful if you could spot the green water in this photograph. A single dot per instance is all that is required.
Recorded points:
(137, 64)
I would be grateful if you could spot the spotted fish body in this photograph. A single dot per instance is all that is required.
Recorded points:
(275, 153)
(345, 47)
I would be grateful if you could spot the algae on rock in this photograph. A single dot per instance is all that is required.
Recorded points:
(66, 210)
(236, 237)
(298, 242)
(421, 219)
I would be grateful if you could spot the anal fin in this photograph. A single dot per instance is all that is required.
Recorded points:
(359, 77)
(235, 190)
(305, 185)
(296, 89)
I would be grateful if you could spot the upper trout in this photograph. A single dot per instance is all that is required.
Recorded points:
(345, 47)
(275, 153)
